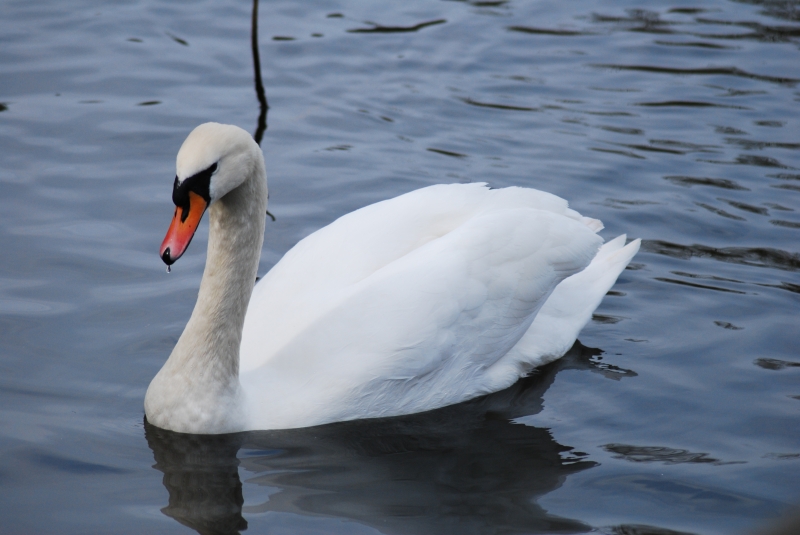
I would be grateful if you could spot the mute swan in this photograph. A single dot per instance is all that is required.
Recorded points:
(413, 303)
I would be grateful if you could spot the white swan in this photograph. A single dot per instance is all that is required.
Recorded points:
(410, 304)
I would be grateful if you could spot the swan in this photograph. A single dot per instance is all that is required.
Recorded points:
(410, 304)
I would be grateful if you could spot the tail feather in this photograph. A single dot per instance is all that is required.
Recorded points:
(567, 310)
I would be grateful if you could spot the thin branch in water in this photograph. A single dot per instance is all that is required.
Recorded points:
(260, 93)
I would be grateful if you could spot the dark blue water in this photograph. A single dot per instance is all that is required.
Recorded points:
(674, 122)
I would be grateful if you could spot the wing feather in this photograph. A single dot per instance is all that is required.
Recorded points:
(419, 330)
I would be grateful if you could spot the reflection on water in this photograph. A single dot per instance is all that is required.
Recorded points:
(649, 454)
(756, 256)
(201, 475)
(378, 28)
(461, 469)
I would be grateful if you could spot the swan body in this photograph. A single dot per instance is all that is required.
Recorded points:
(410, 304)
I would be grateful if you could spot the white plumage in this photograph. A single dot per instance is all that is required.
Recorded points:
(410, 304)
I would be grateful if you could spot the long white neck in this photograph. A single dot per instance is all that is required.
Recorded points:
(197, 390)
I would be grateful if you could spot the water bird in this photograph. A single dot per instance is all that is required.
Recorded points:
(425, 300)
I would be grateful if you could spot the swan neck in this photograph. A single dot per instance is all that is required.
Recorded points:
(198, 390)
(236, 235)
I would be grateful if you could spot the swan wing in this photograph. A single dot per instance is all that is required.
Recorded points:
(310, 278)
(419, 331)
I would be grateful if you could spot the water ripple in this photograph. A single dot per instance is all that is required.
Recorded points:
(497, 106)
(703, 71)
(775, 364)
(766, 257)
(547, 31)
(689, 181)
(378, 28)
(661, 454)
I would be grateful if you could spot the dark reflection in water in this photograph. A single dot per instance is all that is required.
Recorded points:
(776, 364)
(644, 529)
(461, 469)
(546, 31)
(649, 454)
(378, 28)
(750, 256)
(201, 475)
(690, 181)
(703, 71)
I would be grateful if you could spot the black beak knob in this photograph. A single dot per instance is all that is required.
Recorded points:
(166, 258)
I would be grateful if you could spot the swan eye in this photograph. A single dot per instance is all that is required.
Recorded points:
(198, 183)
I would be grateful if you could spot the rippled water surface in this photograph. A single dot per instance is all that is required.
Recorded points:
(674, 122)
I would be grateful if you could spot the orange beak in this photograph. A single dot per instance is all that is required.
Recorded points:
(182, 229)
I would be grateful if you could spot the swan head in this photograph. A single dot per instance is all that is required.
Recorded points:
(214, 160)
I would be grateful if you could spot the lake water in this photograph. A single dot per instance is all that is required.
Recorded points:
(675, 122)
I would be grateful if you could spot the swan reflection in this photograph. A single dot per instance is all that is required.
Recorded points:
(461, 469)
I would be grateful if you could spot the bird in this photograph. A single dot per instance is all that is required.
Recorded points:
(429, 299)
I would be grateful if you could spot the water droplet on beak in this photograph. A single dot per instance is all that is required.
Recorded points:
(169, 269)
